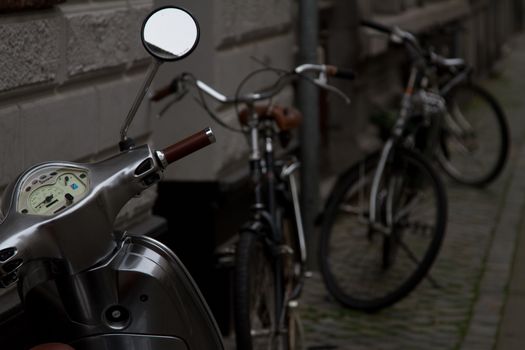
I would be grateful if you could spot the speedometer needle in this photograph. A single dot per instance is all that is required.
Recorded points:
(47, 200)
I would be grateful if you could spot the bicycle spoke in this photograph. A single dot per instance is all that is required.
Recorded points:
(414, 202)
(461, 122)
(409, 199)
(475, 139)
(414, 259)
(350, 209)
(418, 226)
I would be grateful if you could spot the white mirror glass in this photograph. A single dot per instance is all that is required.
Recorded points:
(170, 33)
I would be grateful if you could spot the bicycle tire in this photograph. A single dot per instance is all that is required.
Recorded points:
(254, 294)
(461, 146)
(348, 282)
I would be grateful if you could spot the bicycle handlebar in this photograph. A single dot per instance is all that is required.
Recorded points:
(377, 26)
(165, 91)
(253, 97)
(341, 73)
(398, 35)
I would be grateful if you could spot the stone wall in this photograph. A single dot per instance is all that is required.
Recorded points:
(70, 72)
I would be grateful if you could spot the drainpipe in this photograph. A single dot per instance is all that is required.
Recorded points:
(308, 103)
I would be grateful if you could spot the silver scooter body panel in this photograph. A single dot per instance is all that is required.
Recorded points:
(74, 265)
(113, 183)
(143, 277)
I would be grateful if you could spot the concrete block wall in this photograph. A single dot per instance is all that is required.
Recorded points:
(29, 50)
(68, 77)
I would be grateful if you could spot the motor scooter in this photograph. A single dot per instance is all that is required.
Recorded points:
(68, 274)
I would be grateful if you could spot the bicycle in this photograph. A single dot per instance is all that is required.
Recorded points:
(474, 142)
(384, 220)
(270, 254)
(63, 265)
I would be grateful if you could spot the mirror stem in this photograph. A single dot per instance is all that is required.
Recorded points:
(138, 100)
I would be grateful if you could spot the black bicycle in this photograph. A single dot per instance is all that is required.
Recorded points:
(270, 254)
(385, 219)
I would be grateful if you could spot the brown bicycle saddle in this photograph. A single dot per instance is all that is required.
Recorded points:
(286, 118)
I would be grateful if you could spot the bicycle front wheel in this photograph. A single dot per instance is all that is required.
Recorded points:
(255, 312)
(369, 267)
(475, 139)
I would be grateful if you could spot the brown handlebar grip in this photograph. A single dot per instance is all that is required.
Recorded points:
(189, 145)
(340, 72)
(160, 94)
(331, 70)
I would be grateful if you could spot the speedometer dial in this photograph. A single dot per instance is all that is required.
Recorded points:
(51, 190)
(44, 198)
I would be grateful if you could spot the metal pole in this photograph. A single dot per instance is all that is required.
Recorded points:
(308, 103)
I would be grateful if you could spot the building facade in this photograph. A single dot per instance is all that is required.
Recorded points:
(70, 71)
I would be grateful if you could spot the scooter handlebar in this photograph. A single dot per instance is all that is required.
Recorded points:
(189, 145)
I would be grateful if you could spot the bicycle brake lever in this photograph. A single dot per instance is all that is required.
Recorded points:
(319, 82)
(176, 99)
(165, 108)
(397, 35)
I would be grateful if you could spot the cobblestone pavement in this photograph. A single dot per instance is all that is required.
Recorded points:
(473, 267)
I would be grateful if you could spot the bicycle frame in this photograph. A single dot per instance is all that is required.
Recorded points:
(421, 61)
(457, 79)
(397, 134)
(265, 217)
(262, 163)
(417, 80)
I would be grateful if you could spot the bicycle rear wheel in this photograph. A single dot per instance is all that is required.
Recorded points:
(367, 268)
(475, 137)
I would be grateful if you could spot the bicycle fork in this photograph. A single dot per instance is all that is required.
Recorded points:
(374, 192)
(397, 133)
(290, 298)
(288, 172)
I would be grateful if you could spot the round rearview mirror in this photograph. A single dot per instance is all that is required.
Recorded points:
(170, 33)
